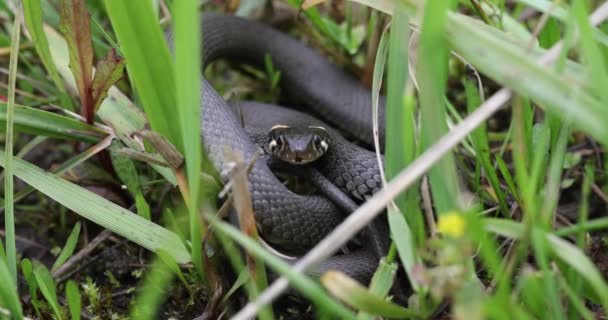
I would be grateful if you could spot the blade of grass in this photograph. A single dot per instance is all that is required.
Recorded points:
(432, 79)
(139, 34)
(101, 211)
(68, 248)
(74, 300)
(188, 96)
(47, 287)
(68, 165)
(8, 292)
(9, 214)
(40, 122)
(401, 145)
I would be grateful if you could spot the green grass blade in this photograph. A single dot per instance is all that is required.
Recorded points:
(101, 211)
(8, 292)
(9, 214)
(47, 287)
(74, 300)
(432, 79)
(188, 93)
(399, 133)
(40, 122)
(69, 247)
(139, 35)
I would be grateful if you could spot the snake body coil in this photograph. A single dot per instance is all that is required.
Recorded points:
(284, 217)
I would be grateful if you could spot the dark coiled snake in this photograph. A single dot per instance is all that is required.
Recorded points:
(285, 218)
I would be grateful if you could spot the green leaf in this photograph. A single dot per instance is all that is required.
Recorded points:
(47, 287)
(139, 34)
(68, 248)
(402, 236)
(108, 71)
(188, 97)
(101, 211)
(355, 295)
(8, 292)
(40, 122)
(28, 273)
(72, 295)
(431, 72)
(9, 210)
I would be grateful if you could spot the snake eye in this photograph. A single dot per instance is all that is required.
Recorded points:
(280, 141)
(316, 141)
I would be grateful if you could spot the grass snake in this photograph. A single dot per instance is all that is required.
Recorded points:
(286, 218)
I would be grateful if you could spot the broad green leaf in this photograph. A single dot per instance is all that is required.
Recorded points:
(101, 211)
(69, 247)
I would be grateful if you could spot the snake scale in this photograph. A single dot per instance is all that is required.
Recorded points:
(286, 218)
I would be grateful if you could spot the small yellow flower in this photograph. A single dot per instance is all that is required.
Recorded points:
(451, 224)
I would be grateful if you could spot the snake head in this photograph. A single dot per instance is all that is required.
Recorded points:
(298, 145)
